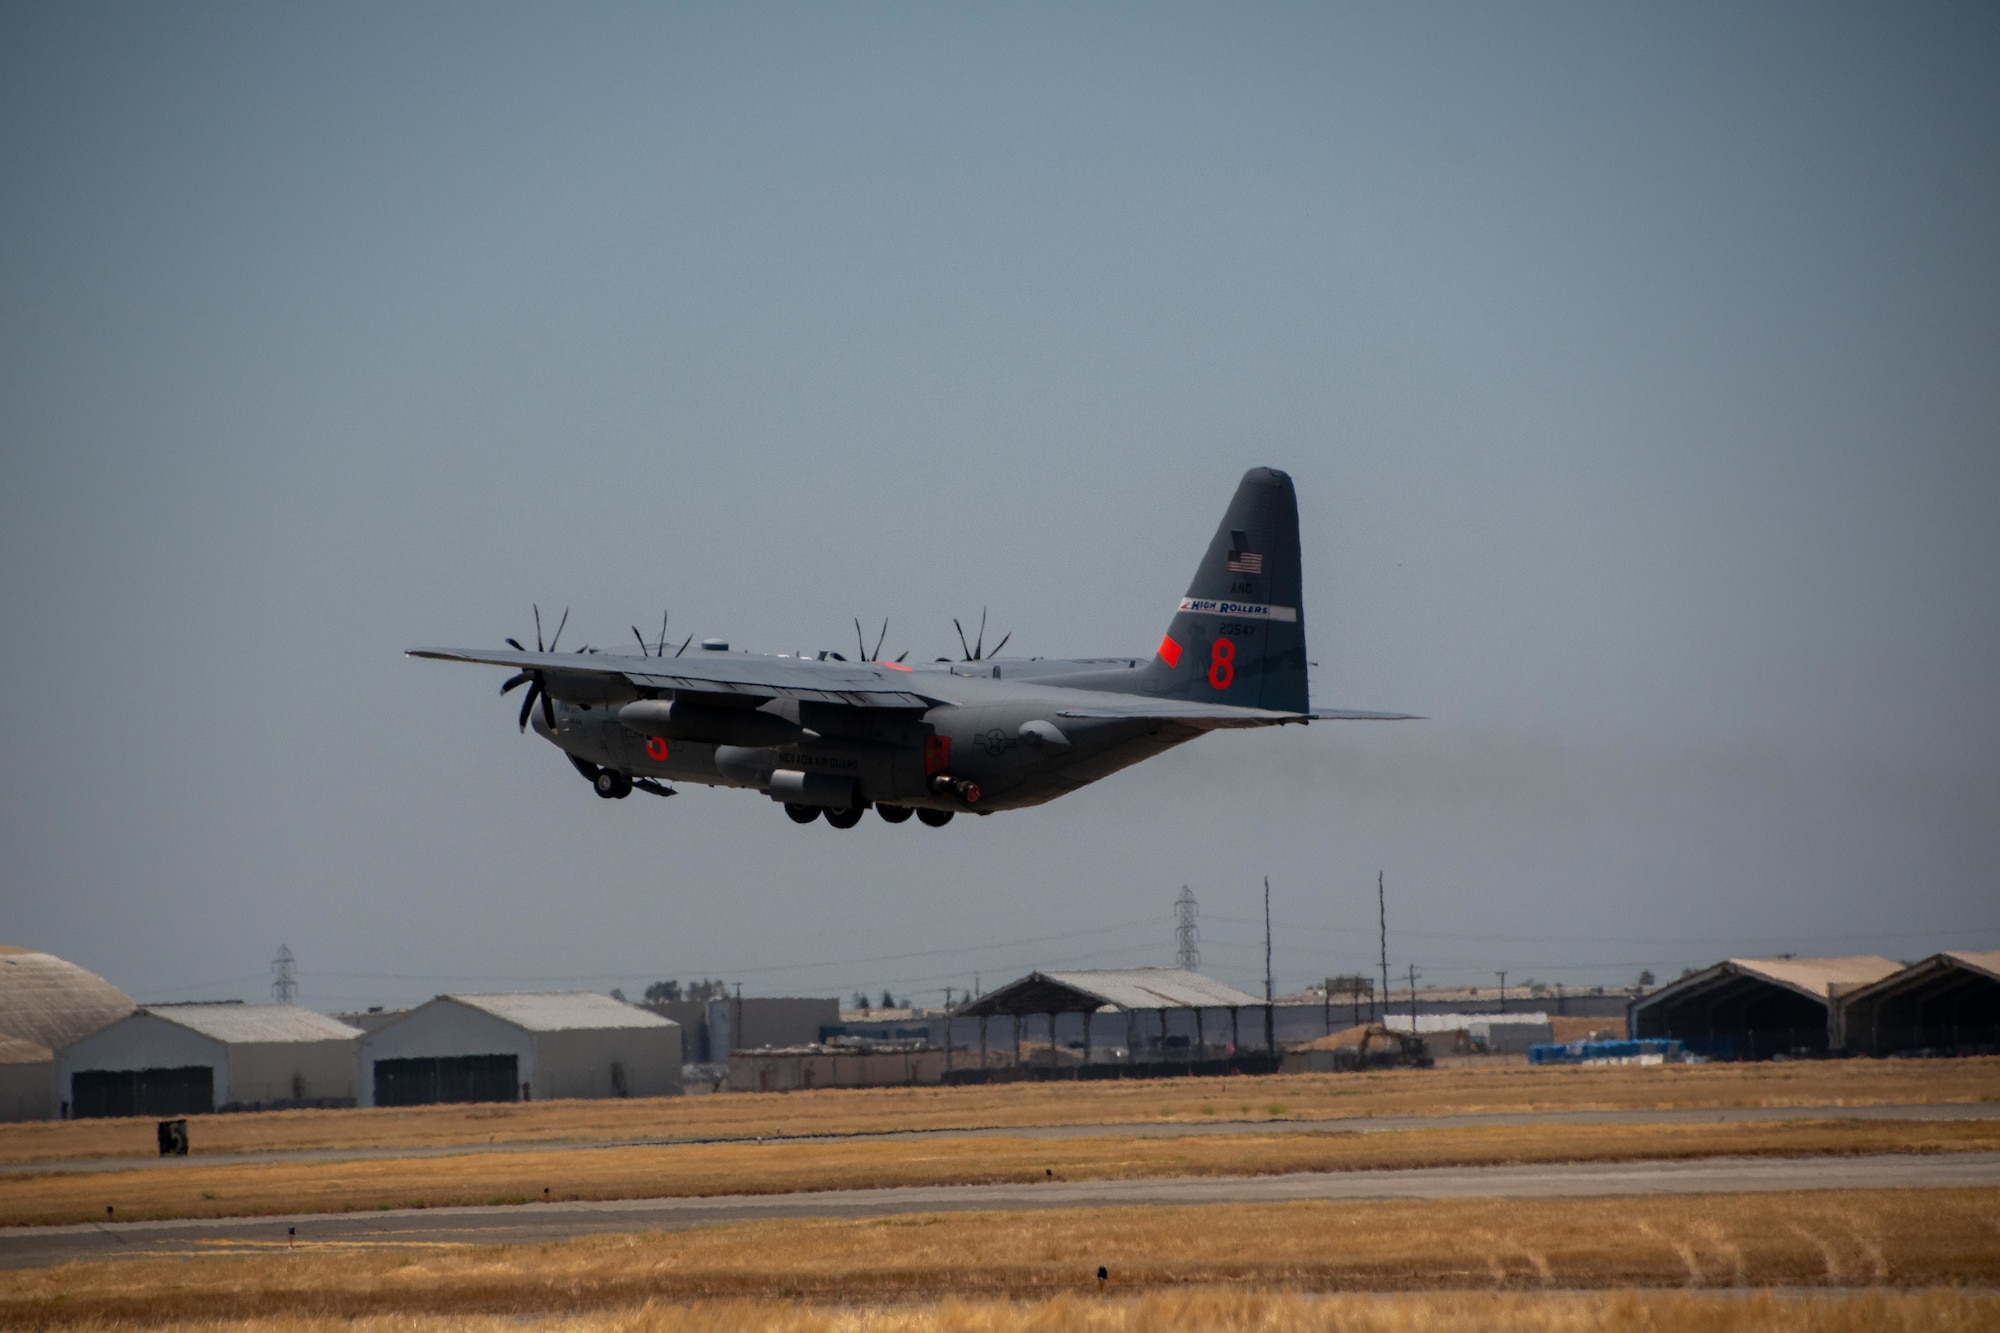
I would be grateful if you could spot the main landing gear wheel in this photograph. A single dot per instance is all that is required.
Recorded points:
(895, 814)
(801, 814)
(847, 818)
(611, 784)
(935, 818)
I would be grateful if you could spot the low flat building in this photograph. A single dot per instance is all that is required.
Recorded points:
(190, 1059)
(1947, 1004)
(1499, 1034)
(370, 1019)
(1754, 1008)
(520, 1046)
(778, 1069)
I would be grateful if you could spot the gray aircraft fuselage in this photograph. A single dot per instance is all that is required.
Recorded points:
(979, 733)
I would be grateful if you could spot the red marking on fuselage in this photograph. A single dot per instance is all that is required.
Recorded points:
(656, 748)
(895, 666)
(1170, 652)
(937, 755)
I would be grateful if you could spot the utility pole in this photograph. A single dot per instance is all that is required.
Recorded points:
(1503, 990)
(1270, 991)
(284, 975)
(1187, 935)
(1382, 907)
(1413, 999)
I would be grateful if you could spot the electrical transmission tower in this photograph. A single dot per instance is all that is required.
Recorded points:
(284, 975)
(1187, 935)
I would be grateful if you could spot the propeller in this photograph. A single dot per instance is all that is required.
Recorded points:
(537, 684)
(862, 643)
(656, 650)
(978, 649)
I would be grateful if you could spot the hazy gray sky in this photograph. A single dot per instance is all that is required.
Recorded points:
(1639, 368)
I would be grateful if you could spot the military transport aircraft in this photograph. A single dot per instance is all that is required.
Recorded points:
(827, 736)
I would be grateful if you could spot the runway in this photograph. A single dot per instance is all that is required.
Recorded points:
(26, 1247)
(1141, 1129)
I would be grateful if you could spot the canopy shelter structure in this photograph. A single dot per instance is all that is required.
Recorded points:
(1948, 1003)
(1755, 1008)
(1120, 1022)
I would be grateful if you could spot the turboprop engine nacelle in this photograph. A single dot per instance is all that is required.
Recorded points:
(679, 720)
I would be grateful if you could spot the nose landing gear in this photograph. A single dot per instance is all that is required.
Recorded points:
(611, 784)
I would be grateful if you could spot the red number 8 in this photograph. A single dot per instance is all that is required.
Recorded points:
(1222, 664)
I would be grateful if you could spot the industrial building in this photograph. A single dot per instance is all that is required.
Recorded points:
(1111, 1023)
(1754, 1008)
(1948, 1004)
(711, 1029)
(45, 1002)
(521, 1046)
(189, 1059)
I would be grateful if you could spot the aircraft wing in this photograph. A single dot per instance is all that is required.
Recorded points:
(856, 684)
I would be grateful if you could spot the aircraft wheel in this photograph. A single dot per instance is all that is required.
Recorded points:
(801, 814)
(895, 814)
(847, 818)
(935, 818)
(611, 784)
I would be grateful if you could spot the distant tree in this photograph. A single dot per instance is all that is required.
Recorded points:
(1646, 977)
(861, 1001)
(888, 1000)
(707, 990)
(618, 995)
(663, 992)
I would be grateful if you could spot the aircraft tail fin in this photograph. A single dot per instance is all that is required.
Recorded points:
(1239, 636)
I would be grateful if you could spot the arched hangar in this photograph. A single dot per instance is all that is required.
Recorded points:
(1755, 1008)
(1946, 1004)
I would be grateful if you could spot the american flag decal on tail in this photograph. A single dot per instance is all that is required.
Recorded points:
(1246, 562)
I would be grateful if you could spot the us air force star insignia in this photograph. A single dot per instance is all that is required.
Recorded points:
(995, 742)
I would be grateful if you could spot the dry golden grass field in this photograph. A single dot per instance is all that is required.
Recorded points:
(1225, 1311)
(1228, 1261)
(236, 1190)
(879, 1110)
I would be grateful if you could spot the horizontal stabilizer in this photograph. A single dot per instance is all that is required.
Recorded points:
(1204, 715)
(1361, 715)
